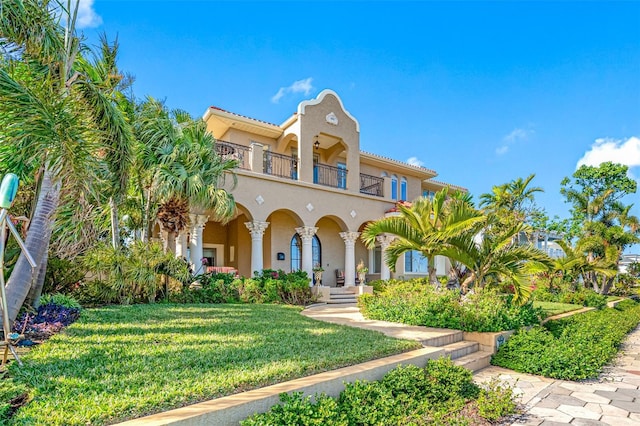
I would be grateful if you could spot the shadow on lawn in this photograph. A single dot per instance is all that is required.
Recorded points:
(153, 357)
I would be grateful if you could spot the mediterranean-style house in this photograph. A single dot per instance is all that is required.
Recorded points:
(304, 193)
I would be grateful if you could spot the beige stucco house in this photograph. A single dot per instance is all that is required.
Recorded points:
(304, 193)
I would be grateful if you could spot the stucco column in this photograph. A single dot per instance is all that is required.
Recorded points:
(257, 157)
(257, 229)
(181, 244)
(349, 238)
(386, 187)
(195, 243)
(385, 240)
(306, 235)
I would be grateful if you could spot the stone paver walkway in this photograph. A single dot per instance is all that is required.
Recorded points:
(613, 399)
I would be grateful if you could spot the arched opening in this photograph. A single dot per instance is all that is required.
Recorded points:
(296, 252)
(403, 189)
(394, 187)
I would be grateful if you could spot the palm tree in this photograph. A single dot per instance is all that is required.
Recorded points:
(493, 256)
(185, 173)
(53, 113)
(422, 225)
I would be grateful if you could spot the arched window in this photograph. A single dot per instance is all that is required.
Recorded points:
(394, 187)
(403, 189)
(296, 252)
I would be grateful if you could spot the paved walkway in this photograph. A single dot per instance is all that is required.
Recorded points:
(613, 399)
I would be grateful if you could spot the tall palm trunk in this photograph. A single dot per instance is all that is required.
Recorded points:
(37, 243)
(115, 230)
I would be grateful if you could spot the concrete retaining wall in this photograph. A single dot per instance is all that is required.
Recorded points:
(230, 410)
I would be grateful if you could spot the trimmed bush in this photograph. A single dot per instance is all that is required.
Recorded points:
(435, 394)
(582, 296)
(416, 302)
(572, 348)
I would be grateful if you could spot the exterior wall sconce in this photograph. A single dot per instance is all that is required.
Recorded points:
(316, 144)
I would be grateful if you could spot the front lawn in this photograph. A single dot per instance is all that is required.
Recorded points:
(556, 308)
(123, 362)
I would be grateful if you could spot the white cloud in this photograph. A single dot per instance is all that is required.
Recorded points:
(87, 16)
(414, 161)
(625, 152)
(300, 86)
(516, 135)
(502, 150)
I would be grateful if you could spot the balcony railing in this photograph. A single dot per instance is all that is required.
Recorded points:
(280, 165)
(324, 174)
(233, 151)
(371, 185)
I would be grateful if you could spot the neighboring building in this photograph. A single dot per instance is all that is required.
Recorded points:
(626, 260)
(305, 192)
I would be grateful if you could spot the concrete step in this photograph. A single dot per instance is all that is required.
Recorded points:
(475, 361)
(459, 349)
(442, 337)
(350, 301)
(343, 296)
(342, 290)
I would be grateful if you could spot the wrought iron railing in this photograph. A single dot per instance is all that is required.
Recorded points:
(324, 174)
(233, 151)
(280, 165)
(371, 185)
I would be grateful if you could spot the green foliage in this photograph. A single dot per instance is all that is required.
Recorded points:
(131, 274)
(213, 288)
(63, 275)
(61, 300)
(10, 392)
(408, 394)
(415, 302)
(581, 296)
(573, 348)
(155, 357)
(496, 400)
(297, 410)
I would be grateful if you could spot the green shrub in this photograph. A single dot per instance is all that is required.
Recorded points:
(60, 299)
(297, 410)
(63, 275)
(582, 296)
(416, 302)
(368, 403)
(572, 348)
(435, 394)
(213, 288)
(496, 400)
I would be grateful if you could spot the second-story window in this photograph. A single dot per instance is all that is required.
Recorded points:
(394, 187)
(403, 189)
(342, 175)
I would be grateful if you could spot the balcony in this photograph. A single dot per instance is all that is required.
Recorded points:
(233, 151)
(287, 167)
(335, 177)
(371, 185)
(280, 165)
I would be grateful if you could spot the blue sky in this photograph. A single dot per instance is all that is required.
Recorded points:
(482, 92)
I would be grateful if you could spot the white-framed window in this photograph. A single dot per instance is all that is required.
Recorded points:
(342, 175)
(428, 194)
(415, 263)
(394, 187)
(403, 188)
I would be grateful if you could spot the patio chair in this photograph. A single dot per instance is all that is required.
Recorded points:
(339, 278)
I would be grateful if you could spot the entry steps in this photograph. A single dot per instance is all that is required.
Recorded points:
(464, 353)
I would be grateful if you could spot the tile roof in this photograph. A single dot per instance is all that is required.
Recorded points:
(243, 116)
(450, 185)
(402, 163)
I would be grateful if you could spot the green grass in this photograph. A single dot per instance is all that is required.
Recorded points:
(555, 308)
(123, 362)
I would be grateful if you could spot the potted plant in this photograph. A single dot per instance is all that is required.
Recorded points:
(362, 272)
(317, 273)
